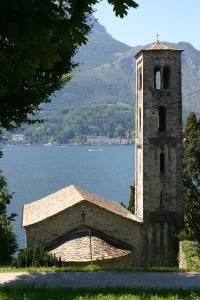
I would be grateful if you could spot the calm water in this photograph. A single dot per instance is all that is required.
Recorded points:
(36, 171)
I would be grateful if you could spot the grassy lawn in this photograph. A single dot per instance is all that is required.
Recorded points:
(91, 268)
(97, 294)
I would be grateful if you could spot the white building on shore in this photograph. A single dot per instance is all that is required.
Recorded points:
(102, 140)
(17, 137)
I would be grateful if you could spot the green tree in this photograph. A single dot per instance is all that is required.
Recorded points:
(38, 40)
(192, 177)
(8, 243)
(131, 204)
(120, 131)
(65, 136)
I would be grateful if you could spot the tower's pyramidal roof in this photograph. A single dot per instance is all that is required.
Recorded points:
(157, 47)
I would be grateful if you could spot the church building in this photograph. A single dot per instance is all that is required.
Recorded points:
(80, 226)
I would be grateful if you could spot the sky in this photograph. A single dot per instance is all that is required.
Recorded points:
(174, 20)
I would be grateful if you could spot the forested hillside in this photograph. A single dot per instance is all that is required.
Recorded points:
(100, 98)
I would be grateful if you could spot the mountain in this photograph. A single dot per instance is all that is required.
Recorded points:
(100, 98)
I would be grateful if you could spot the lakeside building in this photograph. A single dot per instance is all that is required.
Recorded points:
(126, 141)
(104, 140)
(17, 137)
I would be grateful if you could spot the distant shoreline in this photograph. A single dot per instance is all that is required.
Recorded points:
(60, 145)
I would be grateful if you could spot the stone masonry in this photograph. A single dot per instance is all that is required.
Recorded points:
(158, 177)
(57, 222)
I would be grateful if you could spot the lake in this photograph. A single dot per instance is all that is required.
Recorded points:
(33, 172)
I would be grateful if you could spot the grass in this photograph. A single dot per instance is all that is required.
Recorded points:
(97, 294)
(89, 268)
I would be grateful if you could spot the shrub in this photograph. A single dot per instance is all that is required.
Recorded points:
(36, 257)
(191, 250)
(192, 178)
(8, 244)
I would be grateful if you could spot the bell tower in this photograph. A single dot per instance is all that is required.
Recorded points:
(158, 150)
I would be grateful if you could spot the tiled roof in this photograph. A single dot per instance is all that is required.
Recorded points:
(157, 46)
(83, 249)
(53, 204)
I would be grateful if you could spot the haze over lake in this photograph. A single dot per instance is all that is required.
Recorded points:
(33, 172)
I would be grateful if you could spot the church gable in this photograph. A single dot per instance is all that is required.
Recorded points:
(83, 213)
(63, 199)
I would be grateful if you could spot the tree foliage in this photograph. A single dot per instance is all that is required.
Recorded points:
(131, 204)
(192, 177)
(107, 120)
(8, 243)
(36, 257)
(38, 40)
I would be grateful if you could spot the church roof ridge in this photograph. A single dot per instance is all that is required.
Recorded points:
(57, 202)
(158, 46)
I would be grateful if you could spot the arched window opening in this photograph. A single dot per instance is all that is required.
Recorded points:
(140, 79)
(162, 118)
(166, 77)
(162, 162)
(157, 78)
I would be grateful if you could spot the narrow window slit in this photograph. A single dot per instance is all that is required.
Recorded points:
(166, 77)
(140, 119)
(162, 118)
(140, 79)
(162, 162)
(161, 199)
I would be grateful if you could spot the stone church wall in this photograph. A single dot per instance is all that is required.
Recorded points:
(113, 225)
(159, 244)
